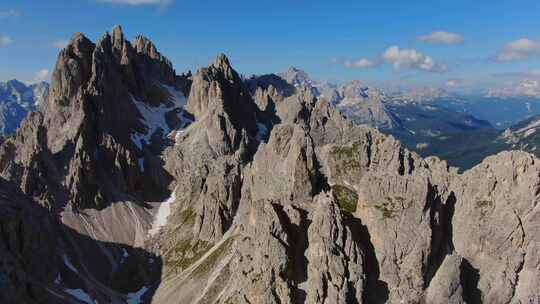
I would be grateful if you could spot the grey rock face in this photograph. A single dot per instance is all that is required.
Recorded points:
(394, 241)
(495, 226)
(45, 261)
(446, 285)
(97, 150)
(335, 258)
(284, 168)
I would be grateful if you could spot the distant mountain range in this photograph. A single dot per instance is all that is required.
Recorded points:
(502, 112)
(429, 120)
(524, 136)
(417, 117)
(525, 88)
(16, 100)
(432, 121)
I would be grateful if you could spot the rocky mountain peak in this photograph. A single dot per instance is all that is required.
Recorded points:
(221, 62)
(145, 46)
(220, 85)
(221, 65)
(117, 36)
(72, 68)
(297, 77)
(80, 45)
(91, 85)
(15, 85)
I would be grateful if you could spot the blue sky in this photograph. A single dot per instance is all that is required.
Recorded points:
(457, 44)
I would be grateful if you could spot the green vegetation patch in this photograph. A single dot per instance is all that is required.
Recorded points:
(385, 210)
(187, 216)
(346, 151)
(484, 203)
(186, 254)
(346, 198)
(346, 157)
(392, 206)
(211, 261)
(484, 206)
(231, 301)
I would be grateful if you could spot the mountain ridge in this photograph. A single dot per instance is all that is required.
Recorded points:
(273, 196)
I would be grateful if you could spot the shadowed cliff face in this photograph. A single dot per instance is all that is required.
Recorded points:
(271, 196)
(110, 108)
(45, 261)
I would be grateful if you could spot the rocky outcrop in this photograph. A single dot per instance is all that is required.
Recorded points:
(335, 257)
(285, 167)
(77, 266)
(84, 146)
(447, 285)
(495, 227)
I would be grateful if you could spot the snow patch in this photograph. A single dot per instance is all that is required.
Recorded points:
(161, 216)
(125, 254)
(529, 132)
(80, 295)
(262, 131)
(138, 139)
(135, 297)
(55, 294)
(154, 117)
(67, 262)
(533, 124)
(177, 98)
(421, 146)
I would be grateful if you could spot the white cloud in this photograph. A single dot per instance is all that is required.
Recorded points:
(399, 58)
(411, 58)
(11, 13)
(139, 2)
(61, 43)
(5, 40)
(442, 37)
(361, 63)
(452, 83)
(523, 45)
(421, 146)
(41, 75)
(519, 50)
